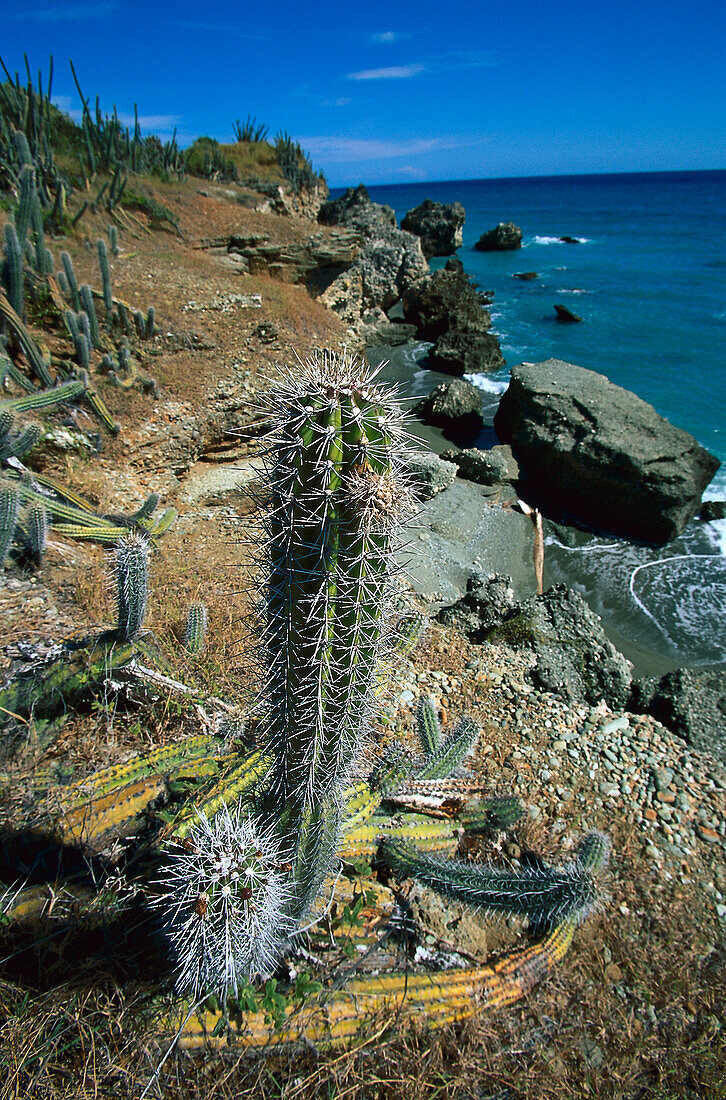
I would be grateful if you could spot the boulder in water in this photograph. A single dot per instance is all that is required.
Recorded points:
(505, 237)
(596, 454)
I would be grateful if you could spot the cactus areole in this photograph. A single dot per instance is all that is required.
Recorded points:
(337, 496)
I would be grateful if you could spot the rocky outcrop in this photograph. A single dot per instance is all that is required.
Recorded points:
(486, 604)
(429, 473)
(596, 454)
(355, 209)
(573, 657)
(447, 309)
(439, 225)
(691, 703)
(492, 467)
(453, 406)
(505, 237)
(387, 262)
(315, 260)
(566, 315)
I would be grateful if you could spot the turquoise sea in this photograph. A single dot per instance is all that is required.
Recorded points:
(648, 277)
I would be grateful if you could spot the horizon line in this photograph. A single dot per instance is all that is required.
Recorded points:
(544, 176)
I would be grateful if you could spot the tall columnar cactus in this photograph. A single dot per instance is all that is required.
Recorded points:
(89, 308)
(132, 581)
(13, 268)
(105, 275)
(71, 279)
(338, 496)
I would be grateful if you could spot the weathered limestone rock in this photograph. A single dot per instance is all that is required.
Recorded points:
(439, 225)
(597, 454)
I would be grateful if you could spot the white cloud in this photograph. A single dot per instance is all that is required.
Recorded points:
(344, 150)
(341, 101)
(151, 123)
(387, 38)
(394, 72)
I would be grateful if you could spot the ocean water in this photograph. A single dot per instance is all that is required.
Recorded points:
(648, 277)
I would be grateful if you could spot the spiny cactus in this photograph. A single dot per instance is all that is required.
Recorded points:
(71, 279)
(442, 755)
(35, 533)
(13, 268)
(132, 585)
(338, 497)
(544, 894)
(105, 276)
(89, 308)
(9, 505)
(113, 239)
(195, 629)
(226, 903)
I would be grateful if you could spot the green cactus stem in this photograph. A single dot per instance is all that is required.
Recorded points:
(46, 399)
(13, 268)
(105, 276)
(428, 726)
(113, 239)
(71, 279)
(547, 895)
(35, 533)
(89, 307)
(132, 585)
(9, 506)
(451, 752)
(495, 811)
(195, 629)
(338, 496)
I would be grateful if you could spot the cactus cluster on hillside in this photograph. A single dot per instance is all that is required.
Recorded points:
(240, 864)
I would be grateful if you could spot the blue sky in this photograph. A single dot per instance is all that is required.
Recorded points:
(404, 91)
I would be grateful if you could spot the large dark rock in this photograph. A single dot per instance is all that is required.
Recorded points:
(597, 454)
(438, 224)
(574, 658)
(492, 467)
(486, 604)
(691, 703)
(453, 406)
(448, 310)
(505, 237)
(460, 353)
(445, 302)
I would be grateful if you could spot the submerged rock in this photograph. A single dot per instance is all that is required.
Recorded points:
(597, 454)
(438, 224)
(505, 237)
(565, 314)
